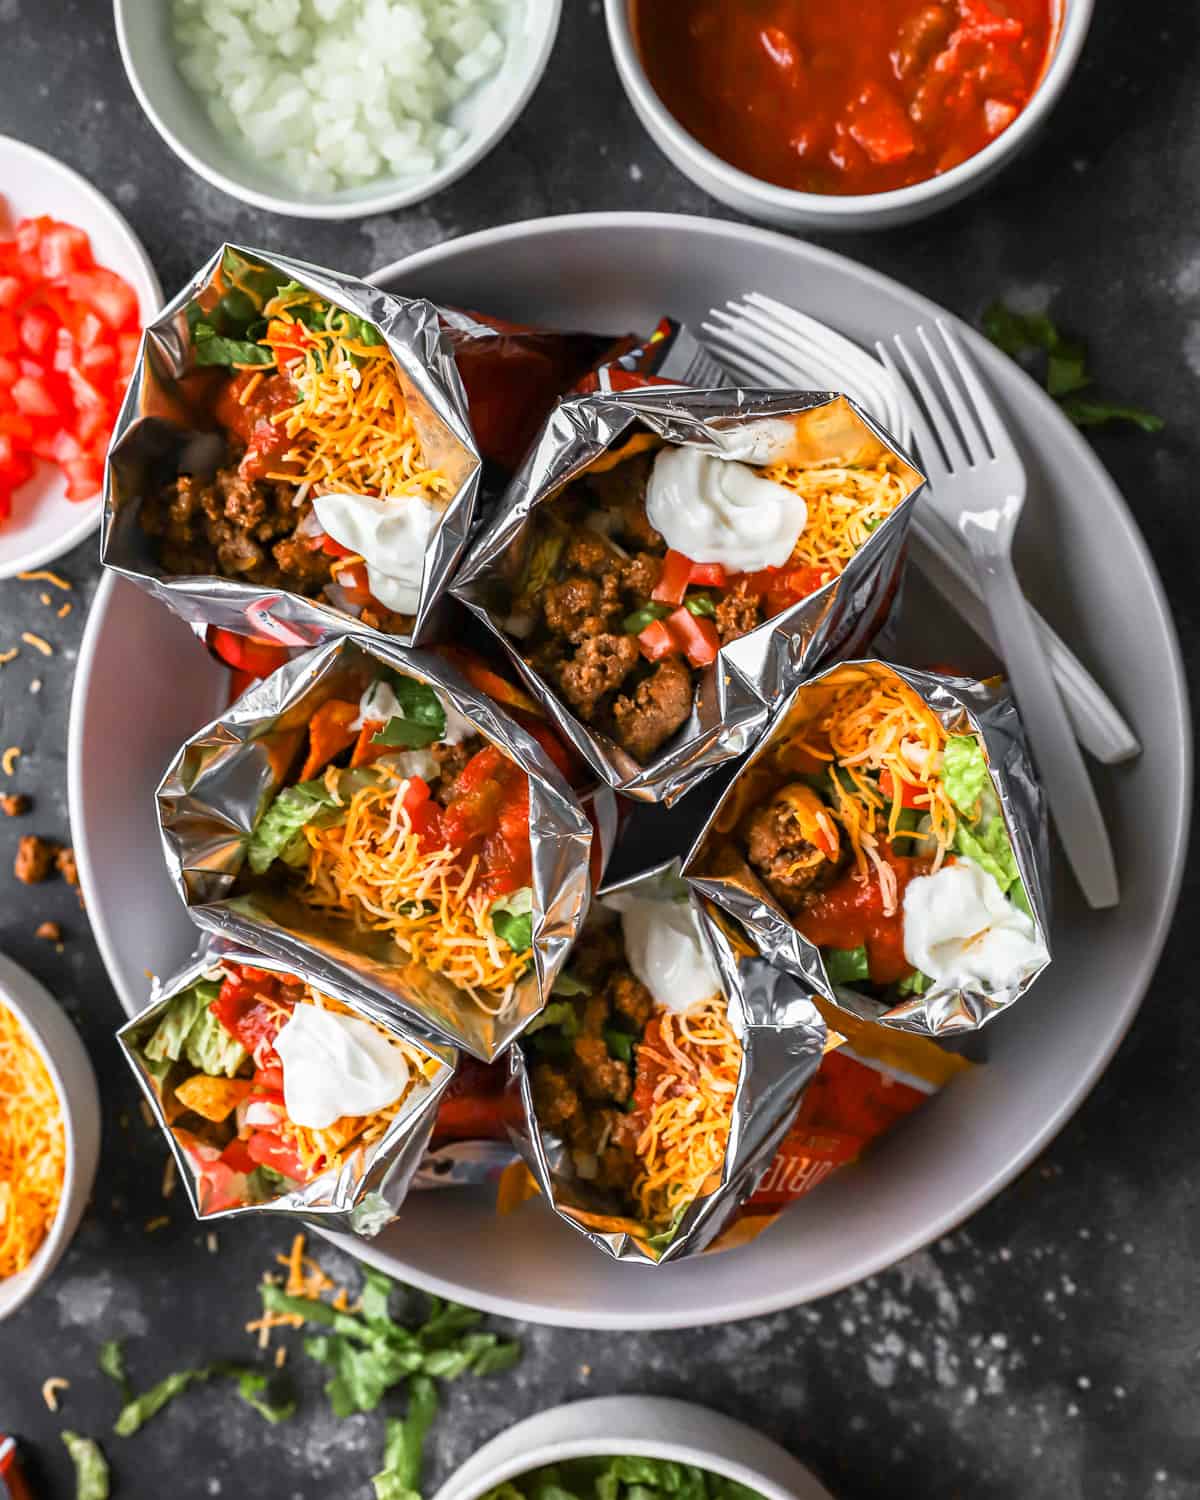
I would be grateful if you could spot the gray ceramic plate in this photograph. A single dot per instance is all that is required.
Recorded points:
(145, 683)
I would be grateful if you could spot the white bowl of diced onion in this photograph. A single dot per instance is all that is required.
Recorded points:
(334, 109)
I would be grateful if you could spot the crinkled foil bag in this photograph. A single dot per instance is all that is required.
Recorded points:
(221, 781)
(783, 1039)
(962, 705)
(361, 1198)
(750, 675)
(166, 427)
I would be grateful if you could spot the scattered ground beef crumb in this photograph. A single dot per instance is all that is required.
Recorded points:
(14, 805)
(50, 931)
(35, 859)
(64, 863)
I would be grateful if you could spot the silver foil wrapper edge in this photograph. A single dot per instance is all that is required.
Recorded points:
(219, 783)
(360, 1202)
(939, 1012)
(783, 1038)
(152, 434)
(737, 692)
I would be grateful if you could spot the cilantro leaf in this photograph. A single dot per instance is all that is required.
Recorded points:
(91, 1469)
(1085, 413)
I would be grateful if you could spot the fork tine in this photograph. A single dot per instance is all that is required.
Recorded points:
(762, 365)
(788, 356)
(940, 425)
(974, 440)
(994, 430)
(934, 459)
(817, 337)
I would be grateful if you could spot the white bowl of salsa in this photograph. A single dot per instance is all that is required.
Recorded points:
(815, 115)
(582, 1437)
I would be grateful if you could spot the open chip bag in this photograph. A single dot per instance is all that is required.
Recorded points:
(654, 1097)
(281, 1096)
(886, 843)
(294, 450)
(367, 816)
(669, 562)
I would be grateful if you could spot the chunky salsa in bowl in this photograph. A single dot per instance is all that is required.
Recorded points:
(856, 100)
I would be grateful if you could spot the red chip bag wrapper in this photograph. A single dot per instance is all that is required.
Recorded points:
(13, 1484)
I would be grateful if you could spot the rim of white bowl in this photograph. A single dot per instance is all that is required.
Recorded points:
(843, 210)
(89, 520)
(80, 1158)
(610, 1427)
(386, 199)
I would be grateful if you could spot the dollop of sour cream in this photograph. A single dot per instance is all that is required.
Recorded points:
(665, 950)
(960, 928)
(335, 1065)
(715, 510)
(391, 536)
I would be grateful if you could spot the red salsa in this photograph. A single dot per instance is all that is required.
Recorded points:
(855, 96)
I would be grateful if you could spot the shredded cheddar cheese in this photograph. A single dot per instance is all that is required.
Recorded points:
(373, 867)
(844, 506)
(37, 643)
(32, 1147)
(872, 721)
(681, 1149)
(51, 1388)
(7, 656)
(44, 575)
(9, 759)
(351, 427)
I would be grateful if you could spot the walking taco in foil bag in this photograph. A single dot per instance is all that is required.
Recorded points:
(367, 815)
(277, 1095)
(887, 843)
(669, 562)
(294, 449)
(653, 1095)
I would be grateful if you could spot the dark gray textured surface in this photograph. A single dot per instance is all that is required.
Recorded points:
(1048, 1350)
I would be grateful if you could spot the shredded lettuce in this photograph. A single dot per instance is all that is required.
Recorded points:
(404, 1449)
(421, 720)
(91, 1470)
(567, 984)
(252, 1384)
(846, 965)
(989, 846)
(188, 1028)
(915, 983)
(964, 772)
(287, 815)
(624, 1478)
(512, 920)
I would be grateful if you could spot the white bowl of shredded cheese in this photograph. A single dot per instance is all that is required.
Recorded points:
(43, 1025)
(334, 109)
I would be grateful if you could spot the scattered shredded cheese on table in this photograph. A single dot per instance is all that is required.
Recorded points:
(37, 643)
(32, 1147)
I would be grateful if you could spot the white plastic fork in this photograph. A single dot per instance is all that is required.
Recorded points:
(765, 342)
(977, 486)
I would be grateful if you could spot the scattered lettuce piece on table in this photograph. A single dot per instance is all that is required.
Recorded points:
(404, 1450)
(111, 1361)
(91, 1469)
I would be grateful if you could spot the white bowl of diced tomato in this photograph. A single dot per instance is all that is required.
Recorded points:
(76, 289)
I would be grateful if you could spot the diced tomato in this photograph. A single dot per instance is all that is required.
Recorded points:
(16, 426)
(11, 290)
(269, 1080)
(695, 636)
(269, 1150)
(489, 804)
(710, 575)
(127, 351)
(33, 398)
(416, 794)
(64, 248)
(107, 294)
(10, 339)
(656, 641)
(673, 580)
(36, 329)
(246, 653)
(85, 478)
(251, 1010)
(352, 581)
(911, 793)
(237, 1158)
